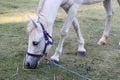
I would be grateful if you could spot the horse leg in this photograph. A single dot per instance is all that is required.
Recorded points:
(109, 12)
(66, 26)
(81, 49)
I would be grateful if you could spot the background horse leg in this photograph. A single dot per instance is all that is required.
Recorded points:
(81, 49)
(67, 24)
(109, 12)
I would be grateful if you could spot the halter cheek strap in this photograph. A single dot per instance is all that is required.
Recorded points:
(48, 41)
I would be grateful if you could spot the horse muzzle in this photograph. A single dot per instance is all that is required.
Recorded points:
(31, 63)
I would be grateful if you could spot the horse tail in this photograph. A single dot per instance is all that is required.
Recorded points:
(118, 2)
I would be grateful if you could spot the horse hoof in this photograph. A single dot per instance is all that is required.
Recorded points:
(101, 43)
(81, 53)
(51, 62)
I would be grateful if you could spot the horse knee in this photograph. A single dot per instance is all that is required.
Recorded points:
(110, 14)
(63, 33)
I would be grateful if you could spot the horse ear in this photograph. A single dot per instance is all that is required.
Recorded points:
(33, 22)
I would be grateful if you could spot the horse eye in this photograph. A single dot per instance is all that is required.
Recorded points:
(35, 43)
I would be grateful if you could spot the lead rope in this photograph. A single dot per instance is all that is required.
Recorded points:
(68, 70)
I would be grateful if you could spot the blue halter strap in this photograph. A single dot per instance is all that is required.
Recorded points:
(47, 39)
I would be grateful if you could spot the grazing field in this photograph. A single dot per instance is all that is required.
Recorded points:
(100, 63)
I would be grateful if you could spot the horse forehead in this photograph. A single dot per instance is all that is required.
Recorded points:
(36, 33)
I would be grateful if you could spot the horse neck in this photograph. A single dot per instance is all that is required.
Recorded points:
(48, 13)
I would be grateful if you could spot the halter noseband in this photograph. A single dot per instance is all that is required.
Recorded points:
(47, 42)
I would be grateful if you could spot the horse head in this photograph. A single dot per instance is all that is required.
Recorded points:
(38, 43)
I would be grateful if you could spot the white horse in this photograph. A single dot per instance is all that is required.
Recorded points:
(40, 28)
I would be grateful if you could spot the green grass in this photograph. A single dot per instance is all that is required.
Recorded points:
(100, 63)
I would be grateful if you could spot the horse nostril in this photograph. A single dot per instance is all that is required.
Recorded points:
(28, 65)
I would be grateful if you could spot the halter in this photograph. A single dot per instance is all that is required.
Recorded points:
(48, 41)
